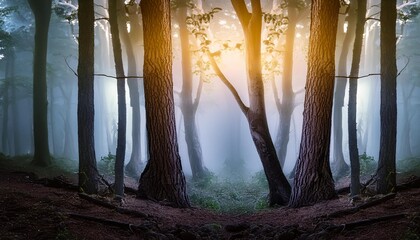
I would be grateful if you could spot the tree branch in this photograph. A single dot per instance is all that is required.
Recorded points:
(359, 77)
(276, 94)
(198, 95)
(229, 85)
(242, 12)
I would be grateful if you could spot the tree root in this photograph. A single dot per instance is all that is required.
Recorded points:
(113, 207)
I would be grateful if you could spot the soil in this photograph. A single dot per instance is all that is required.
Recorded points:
(33, 208)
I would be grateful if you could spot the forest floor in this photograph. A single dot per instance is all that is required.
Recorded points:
(32, 207)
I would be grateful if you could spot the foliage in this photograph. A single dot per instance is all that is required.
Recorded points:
(65, 10)
(231, 196)
(408, 11)
(367, 164)
(409, 165)
(107, 164)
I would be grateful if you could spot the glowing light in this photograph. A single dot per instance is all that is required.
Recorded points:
(128, 27)
(345, 26)
(176, 26)
(298, 35)
(176, 35)
(222, 22)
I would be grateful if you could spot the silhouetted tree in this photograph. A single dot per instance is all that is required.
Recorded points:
(388, 111)
(162, 179)
(188, 105)
(42, 13)
(313, 179)
(122, 112)
(88, 173)
(354, 72)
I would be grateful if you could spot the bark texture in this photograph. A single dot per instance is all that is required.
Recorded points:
(42, 12)
(386, 172)
(88, 174)
(313, 181)
(162, 179)
(122, 112)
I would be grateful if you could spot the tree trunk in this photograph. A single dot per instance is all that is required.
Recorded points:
(313, 181)
(88, 173)
(288, 97)
(133, 167)
(388, 111)
(352, 124)
(188, 106)
(42, 12)
(122, 111)
(162, 179)
(340, 167)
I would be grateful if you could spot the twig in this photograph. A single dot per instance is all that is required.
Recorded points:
(359, 77)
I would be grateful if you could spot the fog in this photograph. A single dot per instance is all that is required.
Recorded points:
(226, 143)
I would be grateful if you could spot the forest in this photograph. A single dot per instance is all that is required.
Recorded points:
(209, 119)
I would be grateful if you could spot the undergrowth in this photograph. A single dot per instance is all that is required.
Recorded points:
(224, 195)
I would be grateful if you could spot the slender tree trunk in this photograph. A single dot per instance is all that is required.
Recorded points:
(5, 124)
(17, 150)
(162, 179)
(387, 147)
(42, 12)
(188, 106)
(352, 124)
(340, 167)
(313, 181)
(133, 167)
(122, 114)
(88, 173)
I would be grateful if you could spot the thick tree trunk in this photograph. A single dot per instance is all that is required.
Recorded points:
(162, 179)
(339, 166)
(122, 111)
(88, 173)
(352, 124)
(313, 181)
(188, 106)
(133, 167)
(42, 12)
(388, 111)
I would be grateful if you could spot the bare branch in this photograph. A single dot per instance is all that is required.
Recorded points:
(115, 77)
(228, 84)
(405, 66)
(198, 95)
(276, 94)
(359, 77)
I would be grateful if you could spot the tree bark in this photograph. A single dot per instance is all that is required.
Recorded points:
(388, 111)
(42, 13)
(352, 124)
(162, 179)
(188, 106)
(122, 111)
(88, 174)
(313, 181)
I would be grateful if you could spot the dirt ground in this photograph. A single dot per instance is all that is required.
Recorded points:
(33, 208)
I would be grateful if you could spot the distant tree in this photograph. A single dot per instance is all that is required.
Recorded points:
(122, 112)
(189, 105)
(386, 171)
(88, 173)
(42, 13)
(162, 179)
(354, 72)
(339, 166)
(313, 179)
(130, 40)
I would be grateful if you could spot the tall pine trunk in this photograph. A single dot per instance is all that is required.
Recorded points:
(122, 111)
(386, 171)
(162, 179)
(88, 173)
(313, 181)
(42, 12)
(352, 124)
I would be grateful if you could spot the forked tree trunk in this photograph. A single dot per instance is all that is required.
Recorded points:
(42, 12)
(352, 124)
(188, 105)
(162, 179)
(313, 181)
(88, 173)
(386, 171)
(122, 111)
